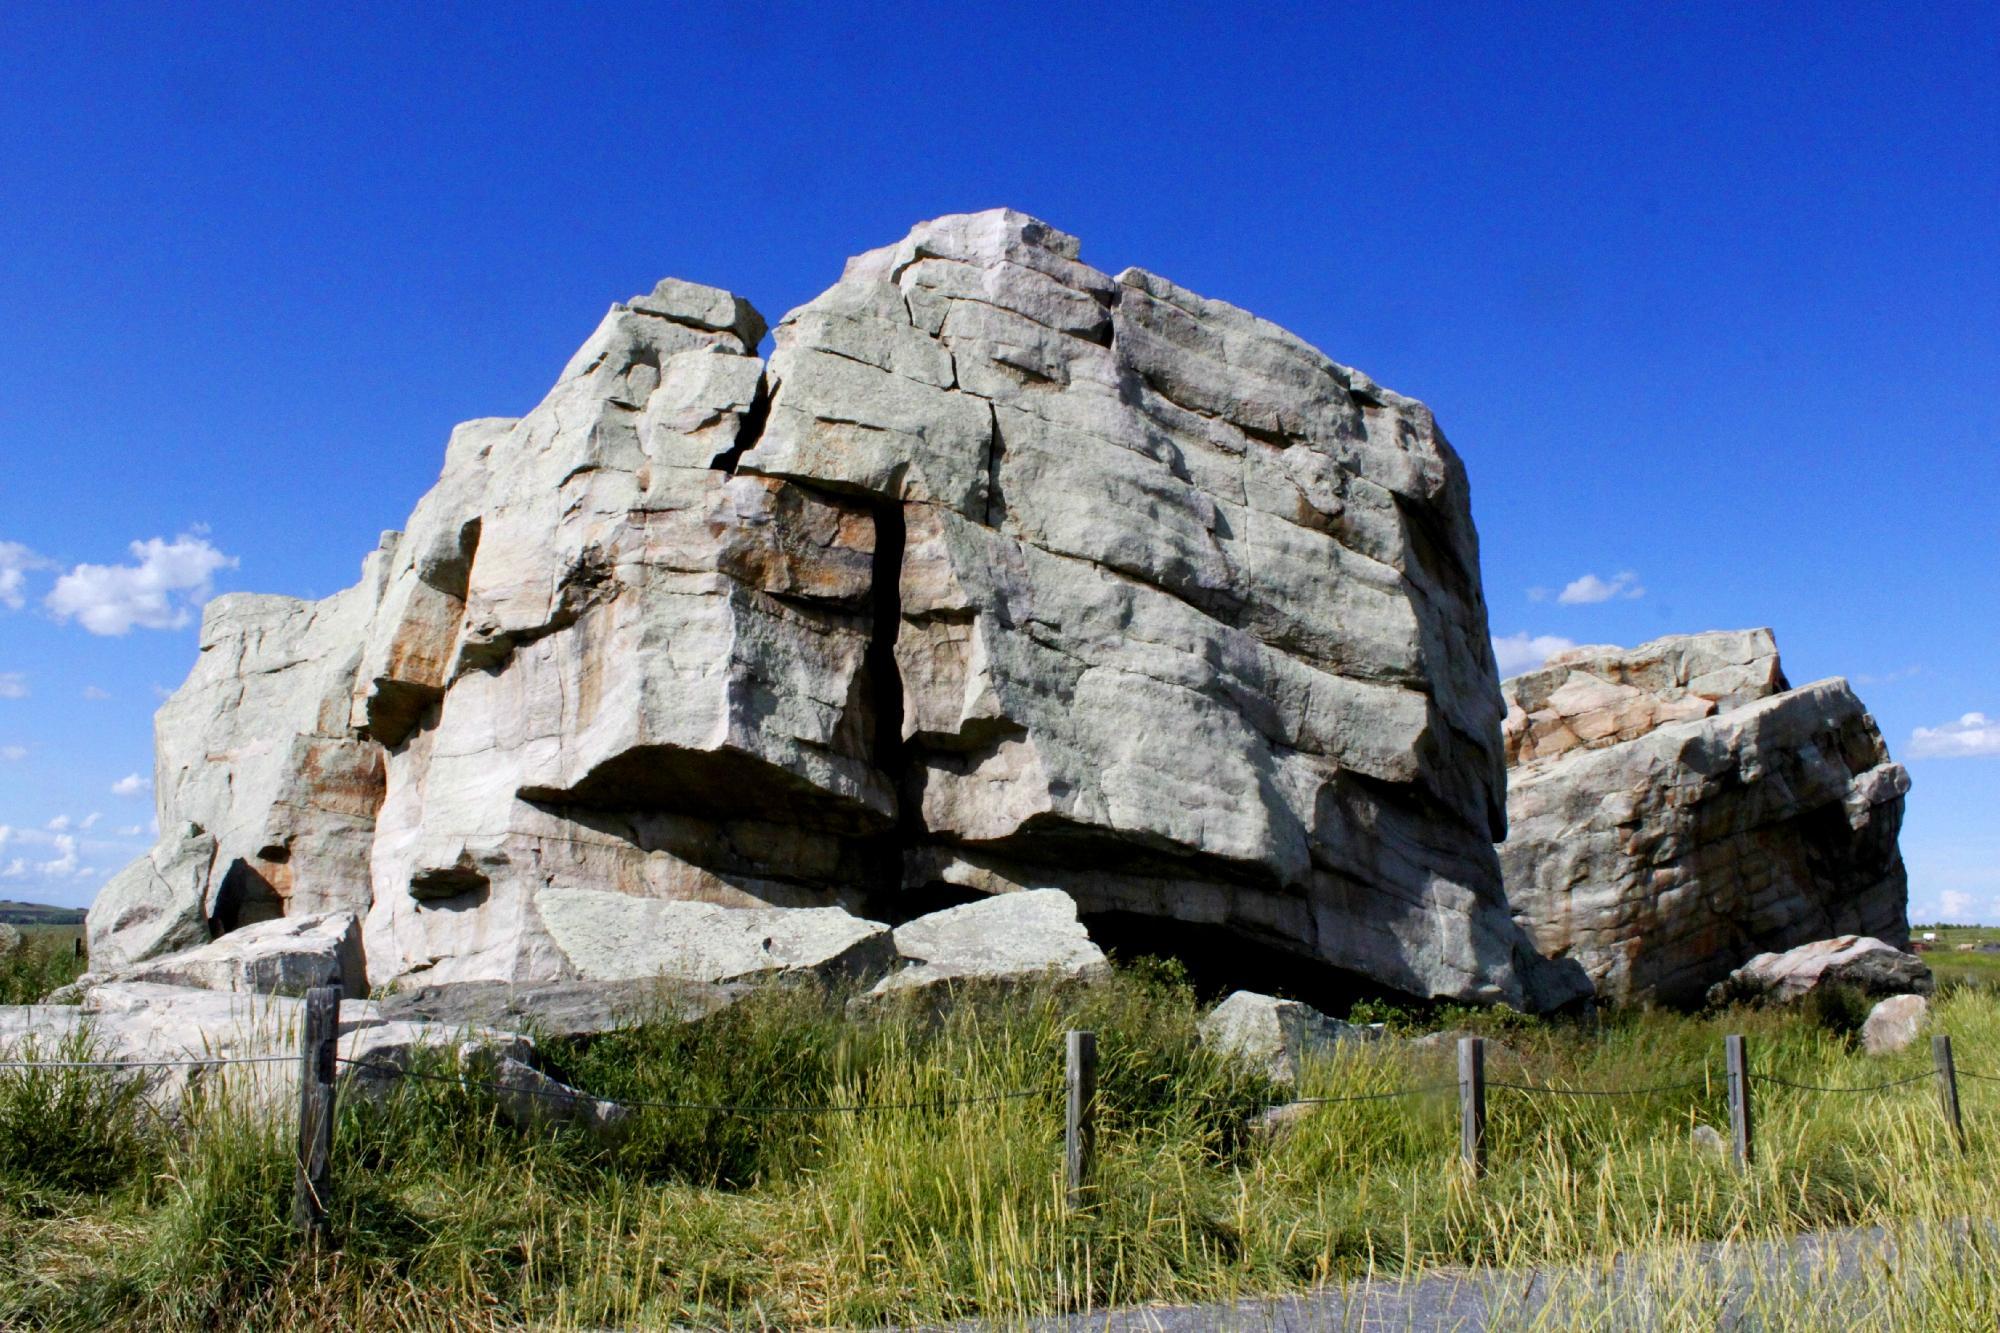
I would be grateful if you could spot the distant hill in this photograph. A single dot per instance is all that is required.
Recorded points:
(38, 914)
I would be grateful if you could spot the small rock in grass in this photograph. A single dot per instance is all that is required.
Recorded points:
(1709, 1139)
(1894, 1023)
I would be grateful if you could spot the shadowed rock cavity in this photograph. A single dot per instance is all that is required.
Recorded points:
(1004, 573)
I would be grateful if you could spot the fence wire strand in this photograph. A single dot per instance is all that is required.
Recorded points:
(190, 1063)
(1419, 1090)
(1863, 1087)
(1549, 1089)
(739, 1108)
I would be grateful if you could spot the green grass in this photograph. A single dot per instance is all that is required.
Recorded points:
(46, 960)
(449, 1217)
(1952, 963)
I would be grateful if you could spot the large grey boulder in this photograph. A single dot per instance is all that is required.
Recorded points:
(1275, 1035)
(1004, 573)
(1855, 962)
(1675, 808)
(1010, 938)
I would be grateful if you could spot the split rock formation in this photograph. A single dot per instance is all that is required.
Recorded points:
(1002, 573)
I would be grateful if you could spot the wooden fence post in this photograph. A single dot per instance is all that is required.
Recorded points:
(1080, 1130)
(1739, 1100)
(1472, 1104)
(318, 1037)
(1947, 1081)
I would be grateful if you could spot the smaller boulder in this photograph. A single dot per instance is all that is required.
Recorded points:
(1008, 937)
(1708, 1139)
(1894, 1023)
(285, 956)
(1275, 1035)
(10, 939)
(1857, 962)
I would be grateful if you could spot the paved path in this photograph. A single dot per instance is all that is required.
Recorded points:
(1711, 1285)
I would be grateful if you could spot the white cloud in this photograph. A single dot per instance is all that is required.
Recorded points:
(130, 785)
(1590, 588)
(13, 754)
(159, 591)
(1954, 905)
(1522, 652)
(94, 694)
(1974, 734)
(65, 862)
(16, 561)
(6, 834)
(16, 868)
(131, 831)
(90, 820)
(1888, 677)
(13, 685)
(59, 823)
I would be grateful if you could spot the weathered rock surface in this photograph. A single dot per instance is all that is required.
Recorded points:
(284, 956)
(1675, 808)
(557, 1008)
(1275, 1035)
(1893, 1024)
(1866, 965)
(1003, 573)
(1011, 937)
(10, 939)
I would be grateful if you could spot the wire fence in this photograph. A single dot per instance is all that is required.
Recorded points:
(320, 1065)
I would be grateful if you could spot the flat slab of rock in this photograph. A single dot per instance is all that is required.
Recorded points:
(1275, 1035)
(1011, 937)
(1893, 1024)
(558, 1008)
(286, 956)
(150, 1021)
(1857, 962)
(617, 937)
(1675, 808)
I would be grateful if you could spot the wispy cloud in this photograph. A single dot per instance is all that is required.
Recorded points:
(1590, 589)
(16, 562)
(1955, 905)
(13, 754)
(95, 693)
(1973, 735)
(159, 590)
(1886, 677)
(13, 685)
(1516, 653)
(132, 784)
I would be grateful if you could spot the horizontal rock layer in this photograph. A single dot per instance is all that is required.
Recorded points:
(1003, 573)
(1676, 808)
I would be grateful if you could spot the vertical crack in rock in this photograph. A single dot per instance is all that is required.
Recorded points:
(883, 854)
(996, 448)
(749, 431)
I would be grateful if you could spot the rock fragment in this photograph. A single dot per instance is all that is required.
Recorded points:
(1676, 808)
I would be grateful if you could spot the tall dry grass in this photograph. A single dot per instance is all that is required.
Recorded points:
(449, 1217)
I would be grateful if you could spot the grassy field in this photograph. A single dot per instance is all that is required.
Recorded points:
(1952, 962)
(447, 1217)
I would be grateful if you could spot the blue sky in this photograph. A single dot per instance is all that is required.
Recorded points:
(1707, 296)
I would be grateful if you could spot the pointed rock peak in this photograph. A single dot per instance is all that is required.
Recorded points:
(996, 235)
(702, 307)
